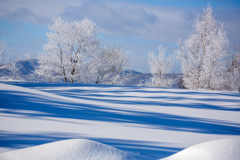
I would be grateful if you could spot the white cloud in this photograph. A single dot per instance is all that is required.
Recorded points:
(26, 15)
(43, 8)
(121, 20)
(142, 21)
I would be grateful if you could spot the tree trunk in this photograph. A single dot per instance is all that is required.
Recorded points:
(65, 79)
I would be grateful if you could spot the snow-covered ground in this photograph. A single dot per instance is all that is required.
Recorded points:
(145, 123)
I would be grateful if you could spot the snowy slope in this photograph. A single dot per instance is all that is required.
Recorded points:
(147, 123)
(74, 149)
(223, 149)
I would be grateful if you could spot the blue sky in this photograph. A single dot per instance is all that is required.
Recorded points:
(138, 26)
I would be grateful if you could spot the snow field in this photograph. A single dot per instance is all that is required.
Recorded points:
(159, 121)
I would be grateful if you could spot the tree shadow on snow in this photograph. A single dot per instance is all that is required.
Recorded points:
(34, 105)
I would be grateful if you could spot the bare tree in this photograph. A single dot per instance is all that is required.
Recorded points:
(160, 65)
(202, 55)
(4, 52)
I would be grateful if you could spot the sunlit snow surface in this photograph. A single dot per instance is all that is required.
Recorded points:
(146, 123)
(74, 149)
(223, 149)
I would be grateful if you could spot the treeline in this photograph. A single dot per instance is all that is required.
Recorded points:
(74, 54)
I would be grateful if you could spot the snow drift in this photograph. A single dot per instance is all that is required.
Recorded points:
(223, 149)
(68, 149)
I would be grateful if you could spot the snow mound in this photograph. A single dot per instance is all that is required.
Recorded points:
(223, 149)
(74, 149)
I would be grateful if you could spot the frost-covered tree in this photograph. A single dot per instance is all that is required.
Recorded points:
(233, 74)
(69, 44)
(235, 79)
(160, 65)
(4, 52)
(109, 64)
(14, 68)
(48, 72)
(203, 54)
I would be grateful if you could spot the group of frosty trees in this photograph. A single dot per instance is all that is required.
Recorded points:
(73, 53)
(206, 60)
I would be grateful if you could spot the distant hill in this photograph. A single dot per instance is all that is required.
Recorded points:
(27, 68)
(137, 78)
